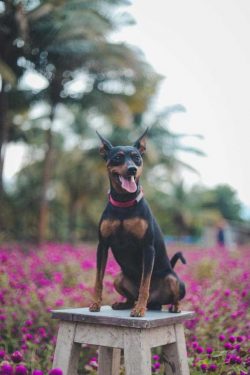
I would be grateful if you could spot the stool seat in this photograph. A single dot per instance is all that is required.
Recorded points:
(113, 330)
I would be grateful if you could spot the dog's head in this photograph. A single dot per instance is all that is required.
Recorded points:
(124, 163)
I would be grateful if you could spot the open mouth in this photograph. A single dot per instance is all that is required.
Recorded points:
(127, 183)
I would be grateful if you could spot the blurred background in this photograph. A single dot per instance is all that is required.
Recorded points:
(69, 68)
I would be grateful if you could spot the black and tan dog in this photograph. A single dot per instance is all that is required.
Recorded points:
(127, 226)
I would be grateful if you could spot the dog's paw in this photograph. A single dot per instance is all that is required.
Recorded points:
(95, 307)
(122, 305)
(138, 311)
(154, 306)
(174, 309)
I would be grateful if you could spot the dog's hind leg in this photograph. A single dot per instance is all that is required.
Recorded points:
(166, 291)
(126, 289)
(175, 290)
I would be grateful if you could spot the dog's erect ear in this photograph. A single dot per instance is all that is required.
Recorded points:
(141, 142)
(105, 147)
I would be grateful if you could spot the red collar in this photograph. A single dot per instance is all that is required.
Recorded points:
(130, 203)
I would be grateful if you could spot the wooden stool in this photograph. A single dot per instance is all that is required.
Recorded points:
(114, 330)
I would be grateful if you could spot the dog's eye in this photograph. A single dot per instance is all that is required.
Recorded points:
(136, 158)
(117, 158)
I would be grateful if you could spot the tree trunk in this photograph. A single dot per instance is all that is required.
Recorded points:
(74, 208)
(44, 204)
(4, 132)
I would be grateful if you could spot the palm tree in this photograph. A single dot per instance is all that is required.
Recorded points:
(62, 53)
(116, 84)
(118, 81)
(13, 38)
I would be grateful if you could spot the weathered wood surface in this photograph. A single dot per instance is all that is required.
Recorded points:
(67, 351)
(115, 330)
(115, 336)
(122, 318)
(109, 361)
(175, 354)
(137, 354)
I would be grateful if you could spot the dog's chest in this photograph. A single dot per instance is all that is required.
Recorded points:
(135, 226)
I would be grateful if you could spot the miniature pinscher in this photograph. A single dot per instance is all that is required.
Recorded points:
(127, 226)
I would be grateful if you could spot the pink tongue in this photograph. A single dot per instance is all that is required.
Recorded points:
(129, 185)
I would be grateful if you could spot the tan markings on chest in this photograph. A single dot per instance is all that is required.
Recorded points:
(109, 227)
(136, 226)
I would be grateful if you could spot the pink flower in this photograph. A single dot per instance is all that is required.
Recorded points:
(93, 363)
(56, 371)
(87, 264)
(2, 353)
(203, 367)
(37, 372)
(209, 350)
(200, 350)
(6, 368)
(17, 356)
(156, 357)
(156, 365)
(59, 302)
(222, 337)
(58, 277)
(28, 337)
(239, 338)
(243, 293)
(28, 323)
(195, 345)
(42, 332)
(213, 367)
(228, 346)
(21, 370)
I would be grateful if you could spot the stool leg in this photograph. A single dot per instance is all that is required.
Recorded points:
(137, 356)
(109, 361)
(67, 352)
(175, 355)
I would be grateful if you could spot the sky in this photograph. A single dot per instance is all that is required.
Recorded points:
(202, 48)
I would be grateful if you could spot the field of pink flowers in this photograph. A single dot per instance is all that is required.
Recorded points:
(35, 280)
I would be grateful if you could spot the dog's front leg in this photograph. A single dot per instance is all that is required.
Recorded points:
(148, 264)
(102, 256)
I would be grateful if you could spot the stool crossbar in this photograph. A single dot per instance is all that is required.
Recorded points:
(114, 330)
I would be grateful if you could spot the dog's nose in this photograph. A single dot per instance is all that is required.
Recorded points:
(132, 171)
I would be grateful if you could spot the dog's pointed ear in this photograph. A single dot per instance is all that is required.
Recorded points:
(105, 147)
(141, 142)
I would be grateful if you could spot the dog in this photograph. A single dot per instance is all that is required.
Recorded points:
(147, 279)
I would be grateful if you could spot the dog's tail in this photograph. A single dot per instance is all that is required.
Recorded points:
(176, 257)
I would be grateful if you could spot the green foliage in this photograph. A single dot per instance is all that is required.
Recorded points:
(92, 83)
(118, 85)
(225, 199)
